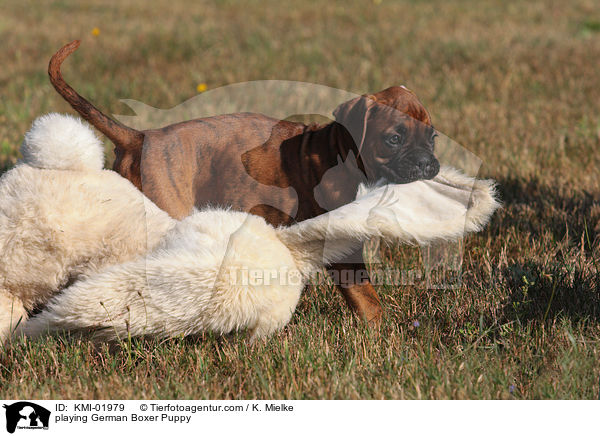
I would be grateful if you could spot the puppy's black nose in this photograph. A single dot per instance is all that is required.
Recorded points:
(429, 166)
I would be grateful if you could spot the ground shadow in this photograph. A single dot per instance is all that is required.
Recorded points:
(568, 285)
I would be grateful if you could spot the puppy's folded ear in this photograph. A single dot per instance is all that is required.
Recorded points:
(353, 116)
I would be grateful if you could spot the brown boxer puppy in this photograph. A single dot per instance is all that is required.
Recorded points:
(280, 170)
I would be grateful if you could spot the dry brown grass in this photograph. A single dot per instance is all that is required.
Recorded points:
(516, 83)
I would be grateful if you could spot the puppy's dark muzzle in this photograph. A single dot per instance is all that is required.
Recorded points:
(422, 166)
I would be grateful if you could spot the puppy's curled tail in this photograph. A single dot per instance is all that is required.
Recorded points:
(62, 142)
(120, 135)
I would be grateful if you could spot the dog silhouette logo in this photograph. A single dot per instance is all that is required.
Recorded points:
(26, 415)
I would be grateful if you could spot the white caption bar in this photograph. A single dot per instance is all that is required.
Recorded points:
(297, 417)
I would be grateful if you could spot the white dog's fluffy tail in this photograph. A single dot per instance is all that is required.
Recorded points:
(62, 142)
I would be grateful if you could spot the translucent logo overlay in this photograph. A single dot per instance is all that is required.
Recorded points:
(231, 162)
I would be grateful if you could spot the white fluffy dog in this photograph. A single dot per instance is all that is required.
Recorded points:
(136, 272)
(62, 216)
(224, 271)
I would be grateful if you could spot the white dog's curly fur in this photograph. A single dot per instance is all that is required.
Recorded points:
(216, 270)
(190, 284)
(62, 215)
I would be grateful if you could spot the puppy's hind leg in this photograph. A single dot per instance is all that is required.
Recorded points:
(12, 313)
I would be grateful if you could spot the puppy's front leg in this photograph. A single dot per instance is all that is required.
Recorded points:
(352, 279)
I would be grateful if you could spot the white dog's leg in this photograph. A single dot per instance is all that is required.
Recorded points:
(12, 313)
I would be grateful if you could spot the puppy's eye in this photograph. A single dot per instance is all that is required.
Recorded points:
(394, 140)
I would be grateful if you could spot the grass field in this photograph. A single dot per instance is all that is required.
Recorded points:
(516, 83)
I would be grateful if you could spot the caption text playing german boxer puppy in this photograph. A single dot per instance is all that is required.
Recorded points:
(283, 171)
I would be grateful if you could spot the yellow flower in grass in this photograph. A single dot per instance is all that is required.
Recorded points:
(95, 31)
(201, 87)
